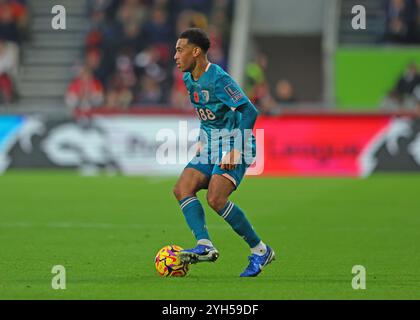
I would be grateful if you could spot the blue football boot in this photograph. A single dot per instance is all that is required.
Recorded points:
(200, 253)
(257, 263)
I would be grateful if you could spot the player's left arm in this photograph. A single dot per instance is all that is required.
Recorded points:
(232, 96)
(249, 117)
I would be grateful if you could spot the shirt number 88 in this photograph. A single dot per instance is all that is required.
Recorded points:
(205, 114)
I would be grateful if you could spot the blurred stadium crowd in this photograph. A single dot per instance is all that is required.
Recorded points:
(405, 95)
(14, 24)
(129, 50)
(127, 59)
(402, 21)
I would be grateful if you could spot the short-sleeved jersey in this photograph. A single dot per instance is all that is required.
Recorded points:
(215, 96)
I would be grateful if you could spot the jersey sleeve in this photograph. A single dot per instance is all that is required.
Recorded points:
(229, 92)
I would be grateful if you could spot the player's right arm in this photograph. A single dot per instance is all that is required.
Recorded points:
(199, 146)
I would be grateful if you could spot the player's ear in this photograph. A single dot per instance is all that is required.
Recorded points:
(196, 52)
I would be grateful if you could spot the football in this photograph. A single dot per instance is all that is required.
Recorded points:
(168, 264)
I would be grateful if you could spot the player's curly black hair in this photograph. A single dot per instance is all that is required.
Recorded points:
(198, 37)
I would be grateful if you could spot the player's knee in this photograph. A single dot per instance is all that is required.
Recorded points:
(215, 201)
(177, 192)
(181, 193)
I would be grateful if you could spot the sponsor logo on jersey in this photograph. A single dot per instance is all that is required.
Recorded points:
(234, 93)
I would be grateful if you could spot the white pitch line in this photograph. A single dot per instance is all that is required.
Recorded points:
(71, 225)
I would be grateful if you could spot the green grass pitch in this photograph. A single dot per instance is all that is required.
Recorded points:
(106, 231)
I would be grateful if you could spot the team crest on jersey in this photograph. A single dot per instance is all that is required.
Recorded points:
(206, 95)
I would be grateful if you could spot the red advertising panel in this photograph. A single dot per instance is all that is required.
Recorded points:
(319, 145)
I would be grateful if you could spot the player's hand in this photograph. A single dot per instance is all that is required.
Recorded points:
(230, 160)
(199, 148)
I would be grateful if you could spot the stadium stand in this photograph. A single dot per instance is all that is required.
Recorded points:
(129, 48)
(390, 22)
(13, 30)
(116, 55)
(48, 54)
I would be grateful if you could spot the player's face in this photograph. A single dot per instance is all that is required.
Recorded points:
(185, 55)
